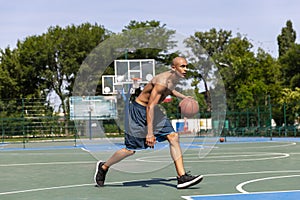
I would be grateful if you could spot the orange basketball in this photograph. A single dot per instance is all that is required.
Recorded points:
(189, 107)
(222, 139)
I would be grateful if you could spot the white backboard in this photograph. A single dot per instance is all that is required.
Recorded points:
(93, 107)
(125, 71)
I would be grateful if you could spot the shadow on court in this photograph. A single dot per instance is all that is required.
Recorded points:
(147, 183)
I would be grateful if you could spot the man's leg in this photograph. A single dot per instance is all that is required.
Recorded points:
(117, 157)
(176, 154)
(184, 180)
(102, 167)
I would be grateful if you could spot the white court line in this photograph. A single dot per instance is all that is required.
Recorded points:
(240, 186)
(49, 163)
(24, 153)
(68, 186)
(248, 173)
(43, 189)
(271, 157)
(235, 194)
(281, 144)
(144, 159)
(121, 182)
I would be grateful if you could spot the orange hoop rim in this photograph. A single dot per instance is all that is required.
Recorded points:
(136, 79)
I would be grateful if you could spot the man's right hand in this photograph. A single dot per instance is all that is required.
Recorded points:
(150, 140)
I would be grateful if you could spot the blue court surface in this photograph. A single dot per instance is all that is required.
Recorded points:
(289, 195)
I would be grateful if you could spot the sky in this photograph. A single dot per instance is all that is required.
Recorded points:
(260, 21)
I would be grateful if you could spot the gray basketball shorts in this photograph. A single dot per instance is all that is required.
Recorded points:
(135, 136)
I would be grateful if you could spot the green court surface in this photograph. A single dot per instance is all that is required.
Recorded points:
(240, 168)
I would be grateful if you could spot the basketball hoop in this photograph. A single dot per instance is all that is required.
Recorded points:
(136, 82)
(129, 75)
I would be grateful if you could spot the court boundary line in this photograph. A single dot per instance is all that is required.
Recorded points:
(281, 144)
(274, 155)
(46, 163)
(238, 194)
(239, 187)
(279, 156)
(44, 189)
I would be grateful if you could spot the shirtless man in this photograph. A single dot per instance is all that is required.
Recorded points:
(147, 125)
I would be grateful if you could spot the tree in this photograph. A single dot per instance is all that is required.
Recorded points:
(63, 51)
(48, 62)
(206, 46)
(212, 41)
(32, 59)
(287, 38)
(153, 34)
(270, 72)
(9, 80)
(248, 78)
(290, 63)
(237, 67)
(291, 99)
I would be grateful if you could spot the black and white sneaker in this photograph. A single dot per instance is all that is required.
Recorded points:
(100, 174)
(188, 180)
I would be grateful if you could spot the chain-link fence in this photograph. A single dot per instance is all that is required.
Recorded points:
(31, 120)
(270, 121)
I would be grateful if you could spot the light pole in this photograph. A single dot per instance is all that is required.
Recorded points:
(270, 110)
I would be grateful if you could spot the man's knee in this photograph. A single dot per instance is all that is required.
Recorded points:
(173, 137)
(128, 151)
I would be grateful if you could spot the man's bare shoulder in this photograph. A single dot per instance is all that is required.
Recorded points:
(161, 78)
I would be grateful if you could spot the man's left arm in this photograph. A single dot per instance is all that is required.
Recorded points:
(178, 94)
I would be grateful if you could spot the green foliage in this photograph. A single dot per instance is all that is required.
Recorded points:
(290, 100)
(212, 41)
(290, 63)
(149, 33)
(48, 62)
(172, 108)
(66, 49)
(290, 96)
(9, 82)
(110, 126)
(248, 77)
(209, 43)
(287, 38)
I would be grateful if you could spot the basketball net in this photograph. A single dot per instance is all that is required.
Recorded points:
(135, 84)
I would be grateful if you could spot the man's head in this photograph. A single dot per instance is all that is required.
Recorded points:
(179, 64)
